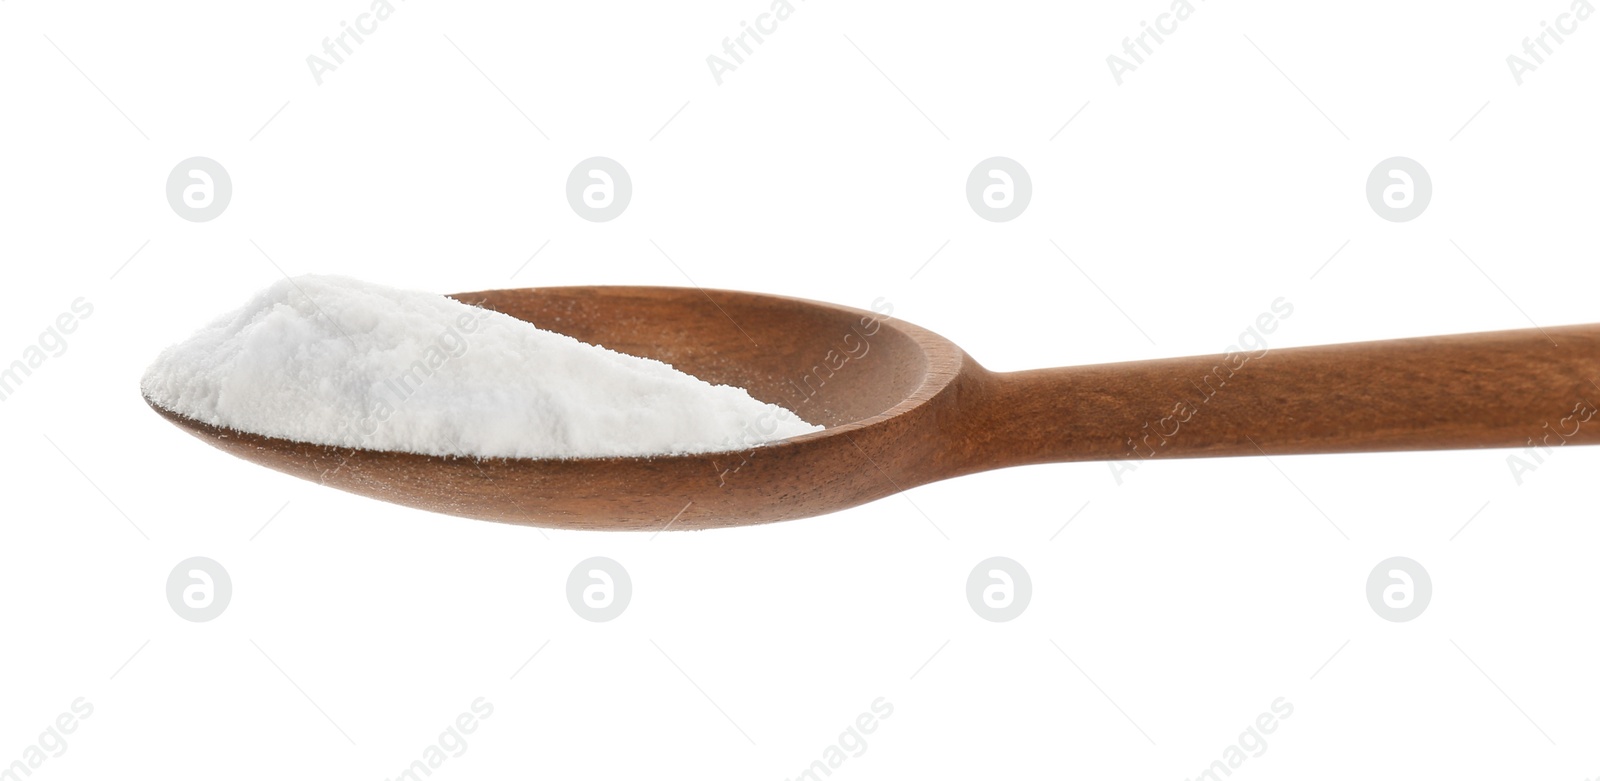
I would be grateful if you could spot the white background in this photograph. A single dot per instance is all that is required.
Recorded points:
(1188, 598)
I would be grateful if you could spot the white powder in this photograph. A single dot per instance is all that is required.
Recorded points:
(335, 361)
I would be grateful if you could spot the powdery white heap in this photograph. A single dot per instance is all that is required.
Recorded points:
(340, 362)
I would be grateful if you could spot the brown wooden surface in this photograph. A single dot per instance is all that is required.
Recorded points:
(906, 407)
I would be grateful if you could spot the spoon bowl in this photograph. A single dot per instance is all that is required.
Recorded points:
(869, 379)
(902, 406)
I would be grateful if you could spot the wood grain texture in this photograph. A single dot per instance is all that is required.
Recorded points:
(904, 407)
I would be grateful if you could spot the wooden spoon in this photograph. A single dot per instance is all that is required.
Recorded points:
(904, 407)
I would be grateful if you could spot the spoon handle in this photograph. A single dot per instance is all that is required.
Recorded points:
(1529, 388)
